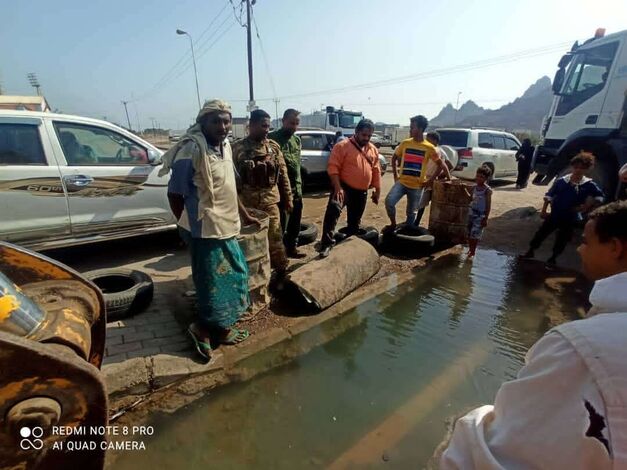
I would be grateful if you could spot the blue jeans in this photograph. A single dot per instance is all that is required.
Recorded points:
(413, 201)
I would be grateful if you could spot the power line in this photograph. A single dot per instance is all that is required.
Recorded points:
(440, 72)
(204, 51)
(185, 68)
(184, 60)
(239, 17)
(263, 55)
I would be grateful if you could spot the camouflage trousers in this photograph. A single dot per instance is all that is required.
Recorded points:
(278, 257)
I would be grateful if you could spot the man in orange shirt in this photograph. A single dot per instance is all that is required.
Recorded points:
(353, 168)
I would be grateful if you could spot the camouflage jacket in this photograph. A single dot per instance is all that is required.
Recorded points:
(262, 172)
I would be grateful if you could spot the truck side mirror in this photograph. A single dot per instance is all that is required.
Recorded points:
(558, 81)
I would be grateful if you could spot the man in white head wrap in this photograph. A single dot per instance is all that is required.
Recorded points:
(203, 196)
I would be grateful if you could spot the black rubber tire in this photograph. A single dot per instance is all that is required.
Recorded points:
(125, 291)
(409, 242)
(308, 233)
(368, 234)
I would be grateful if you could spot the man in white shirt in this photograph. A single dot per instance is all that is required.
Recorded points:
(568, 407)
(203, 197)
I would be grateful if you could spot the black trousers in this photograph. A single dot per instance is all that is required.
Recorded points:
(524, 169)
(564, 228)
(355, 203)
(290, 223)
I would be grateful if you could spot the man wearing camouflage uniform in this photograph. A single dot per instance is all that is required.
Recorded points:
(290, 148)
(264, 182)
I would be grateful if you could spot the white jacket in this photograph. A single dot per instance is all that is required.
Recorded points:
(568, 407)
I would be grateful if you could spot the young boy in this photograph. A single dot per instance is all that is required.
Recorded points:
(568, 405)
(569, 198)
(479, 209)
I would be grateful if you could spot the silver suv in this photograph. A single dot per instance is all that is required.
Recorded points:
(476, 147)
(67, 180)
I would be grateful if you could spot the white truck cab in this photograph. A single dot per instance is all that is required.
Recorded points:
(588, 111)
(68, 180)
(333, 120)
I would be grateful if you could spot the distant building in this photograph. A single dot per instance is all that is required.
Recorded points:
(24, 103)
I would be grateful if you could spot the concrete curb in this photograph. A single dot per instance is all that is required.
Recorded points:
(181, 379)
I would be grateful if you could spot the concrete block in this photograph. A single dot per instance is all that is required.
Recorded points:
(149, 343)
(114, 358)
(178, 346)
(128, 377)
(113, 340)
(113, 332)
(123, 348)
(137, 336)
(144, 352)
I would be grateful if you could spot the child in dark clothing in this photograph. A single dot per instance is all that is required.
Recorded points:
(570, 197)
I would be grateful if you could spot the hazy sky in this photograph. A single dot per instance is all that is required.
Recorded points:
(90, 55)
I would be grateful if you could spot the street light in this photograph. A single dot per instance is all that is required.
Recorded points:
(457, 106)
(191, 43)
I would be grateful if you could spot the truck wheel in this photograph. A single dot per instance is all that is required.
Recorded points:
(605, 174)
(125, 291)
(605, 170)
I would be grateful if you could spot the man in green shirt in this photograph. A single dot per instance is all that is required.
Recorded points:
(291, 147)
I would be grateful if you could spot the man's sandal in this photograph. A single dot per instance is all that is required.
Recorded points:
(203, 348)
(235, 336)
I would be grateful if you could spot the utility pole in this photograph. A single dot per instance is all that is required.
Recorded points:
(249, 42)
(128, 120)
(276, 109)
(457, 107)
(34, 82)
(154, 132)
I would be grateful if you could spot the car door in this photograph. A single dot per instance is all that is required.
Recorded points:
(512, 148)
(315, 152)
(33, 204)
(503, 164)
(111, 184)
(487, 153)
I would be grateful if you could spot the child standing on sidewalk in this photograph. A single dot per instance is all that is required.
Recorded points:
(570, 197)
(479, 209)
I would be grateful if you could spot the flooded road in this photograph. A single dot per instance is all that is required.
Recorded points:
(381, 394)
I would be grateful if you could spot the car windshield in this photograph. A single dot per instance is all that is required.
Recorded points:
(349, 121)
(454, 138)
(314, 141)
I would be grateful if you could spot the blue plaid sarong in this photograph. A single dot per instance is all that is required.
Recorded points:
(220, 274)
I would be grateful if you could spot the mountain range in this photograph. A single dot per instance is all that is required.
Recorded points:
(524, 114)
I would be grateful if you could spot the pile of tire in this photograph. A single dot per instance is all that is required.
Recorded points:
(368, 234)
(125, 291)
(408, 242)
(308, 233)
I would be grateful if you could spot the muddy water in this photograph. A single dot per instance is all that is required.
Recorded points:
(381, 394)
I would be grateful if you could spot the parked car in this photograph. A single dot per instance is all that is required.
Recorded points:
(316, 148)
(68, 180)
(476, 147)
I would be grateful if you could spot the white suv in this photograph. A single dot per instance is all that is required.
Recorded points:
(68, 180)
(477, 147)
